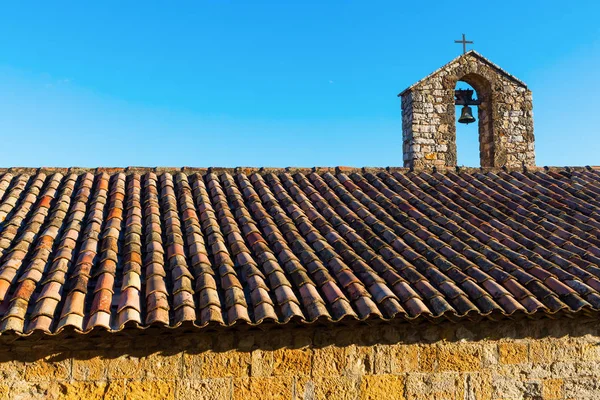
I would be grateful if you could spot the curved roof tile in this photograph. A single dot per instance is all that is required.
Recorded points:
(112, 248)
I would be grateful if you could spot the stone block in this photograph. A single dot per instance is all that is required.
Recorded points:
(149, 389)
(192, 365)
(50, 368)
(262, 363)
(223, 364)
(552, 389)
(590, 351)
(292, 361)
(206, 389)
(428, 355)
(514, 388)
(582, 388)
(513, 352)
(477, 386)
(159, 366)
(335, 388)
(404, 358)
(274, 387)
(32, 390)
(89, 390)
(490, 354)
(553, 350)
(374, 387)
(336, 361)
(329, 361)
(12, 370)
(4, 391)
(435, 386)
(459, 357)
(89, 367)
(125, 367)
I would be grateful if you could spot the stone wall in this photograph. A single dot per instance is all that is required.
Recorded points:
(546, 359)
(505, 116)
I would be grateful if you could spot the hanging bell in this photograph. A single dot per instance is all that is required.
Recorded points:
(466, 116)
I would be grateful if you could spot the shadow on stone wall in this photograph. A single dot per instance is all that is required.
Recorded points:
(166, 342)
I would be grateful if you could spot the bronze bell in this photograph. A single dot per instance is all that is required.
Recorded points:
(466, 116)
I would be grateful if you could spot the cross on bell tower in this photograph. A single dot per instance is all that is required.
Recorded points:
(464, 42)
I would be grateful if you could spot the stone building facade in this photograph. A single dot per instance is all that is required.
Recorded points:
(505, 116)
(542, 359)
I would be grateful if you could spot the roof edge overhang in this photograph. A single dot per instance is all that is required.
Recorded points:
(468, 53)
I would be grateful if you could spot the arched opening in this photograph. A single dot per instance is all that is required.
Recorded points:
(467, 135)
(474, 141)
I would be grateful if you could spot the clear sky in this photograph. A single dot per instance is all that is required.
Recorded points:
(278, 83)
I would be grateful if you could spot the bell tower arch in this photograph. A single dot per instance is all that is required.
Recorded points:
(505, 113)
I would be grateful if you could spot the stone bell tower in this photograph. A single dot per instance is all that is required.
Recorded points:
(505, 116)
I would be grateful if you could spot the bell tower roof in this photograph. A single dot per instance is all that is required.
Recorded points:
(472, 53)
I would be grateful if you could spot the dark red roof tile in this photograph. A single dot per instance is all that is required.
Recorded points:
(114, 248)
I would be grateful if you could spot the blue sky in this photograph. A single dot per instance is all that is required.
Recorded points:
(231, 83)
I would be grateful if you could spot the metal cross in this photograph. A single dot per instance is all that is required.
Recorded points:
(464, 42)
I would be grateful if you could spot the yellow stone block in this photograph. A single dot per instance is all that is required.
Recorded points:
(304, 388)
(373, 387)
(336, 361)
(125, 367)
(262, 363)
(513, 353)
(274, 387)
(459, 357)
(428, 355)
(192, 365)
(89, 390)
(149, 389)
(396, 359)
(562, 350)
(4, 391)
(89, 367)
(552, 389)
(329, 361)
(292, 361)
(33, 390)
(335, 388)
(159, 366)
(206, 389)
(12, 370)
(431, 386)
(461, 387)
(479, 385)
(405, 358)
(50, 368)
(541, 351)
(223, 364)
(153, 366)
(590, 352)
(69, 390)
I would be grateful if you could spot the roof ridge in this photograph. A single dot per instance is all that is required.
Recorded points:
(267, 170)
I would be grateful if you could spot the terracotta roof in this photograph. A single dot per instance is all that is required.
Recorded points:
(109, 248)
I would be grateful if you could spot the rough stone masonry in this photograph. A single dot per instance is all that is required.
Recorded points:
(527, 359)
(505, 116)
